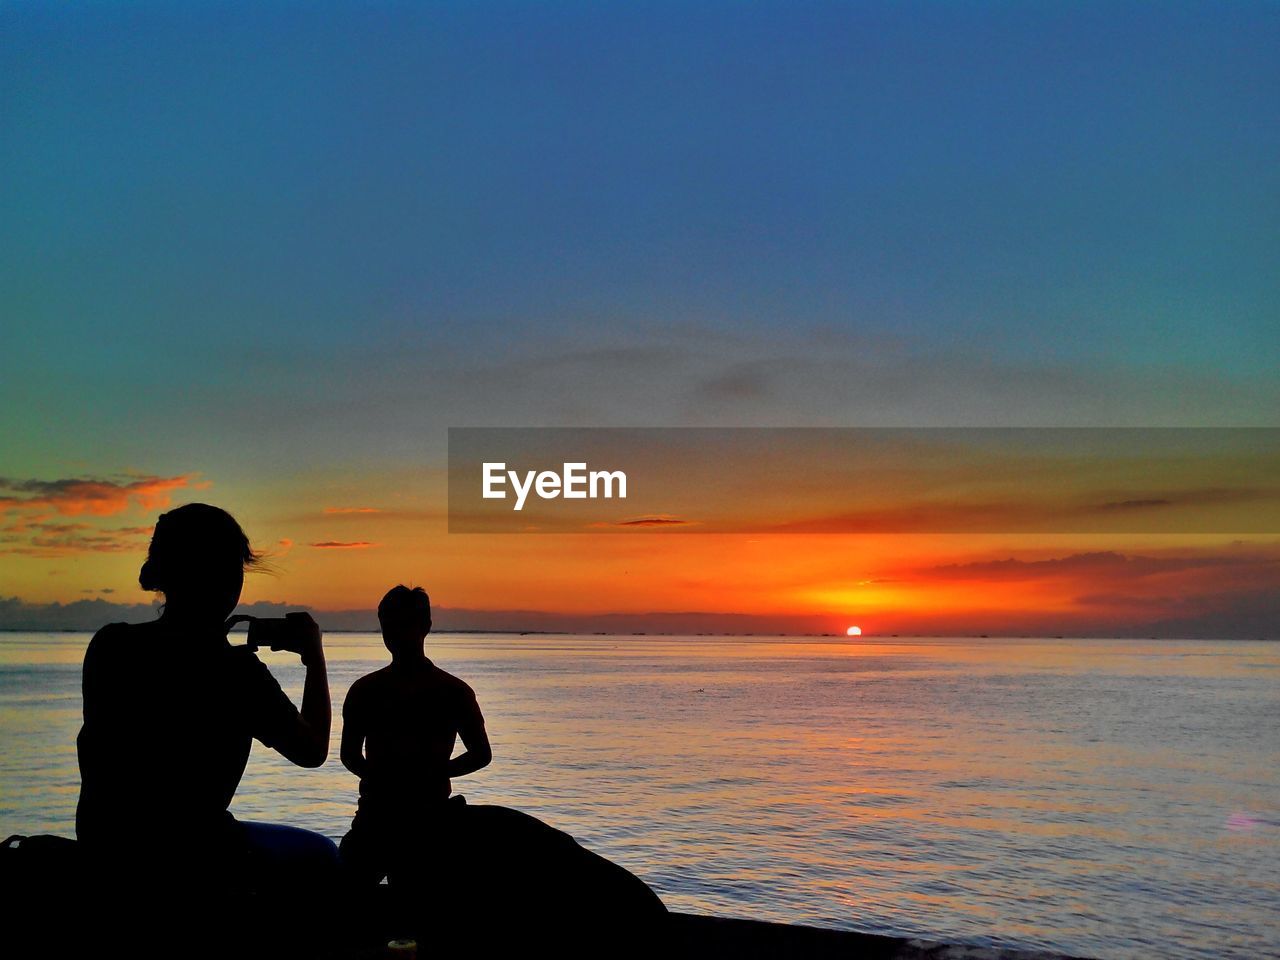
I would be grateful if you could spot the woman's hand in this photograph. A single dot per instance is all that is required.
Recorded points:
(304, 638)
(296, 632)
(309, 745)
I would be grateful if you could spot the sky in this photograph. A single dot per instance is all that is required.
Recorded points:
(264, 255)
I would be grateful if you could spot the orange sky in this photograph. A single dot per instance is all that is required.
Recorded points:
(88, 541)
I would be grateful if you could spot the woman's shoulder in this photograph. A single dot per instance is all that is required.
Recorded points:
(116, 635)
(112, 630)
(122, 629)
(116, 647)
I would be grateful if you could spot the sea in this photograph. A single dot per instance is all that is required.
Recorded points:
(1103, 798)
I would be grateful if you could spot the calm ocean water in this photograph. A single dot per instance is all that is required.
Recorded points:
(1117, 799)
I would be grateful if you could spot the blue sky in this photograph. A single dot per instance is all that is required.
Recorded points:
(1037, 184)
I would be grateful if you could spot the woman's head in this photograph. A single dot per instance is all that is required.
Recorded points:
(197, 559)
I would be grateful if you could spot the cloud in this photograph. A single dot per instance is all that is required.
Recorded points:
(1248, 613)
(744, 381)
(1106, 563)
(16, 614)
(90, 614)
(1032, 514)
(1203, 496)
(611, 359)
(920, 518)
(29, 510)
(1221, 611)
(48, 539)
(644, 371)
(85, 495)
(661, 520)
(344, 545)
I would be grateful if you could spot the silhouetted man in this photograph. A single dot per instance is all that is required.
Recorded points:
(400, 724)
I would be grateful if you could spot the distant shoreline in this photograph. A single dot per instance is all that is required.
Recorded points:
(873, 638)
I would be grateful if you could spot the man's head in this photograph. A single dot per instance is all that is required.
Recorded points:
(405, 617)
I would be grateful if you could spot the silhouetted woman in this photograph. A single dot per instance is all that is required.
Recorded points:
(170, 711)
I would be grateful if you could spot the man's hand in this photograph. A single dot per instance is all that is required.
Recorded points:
(478, 754)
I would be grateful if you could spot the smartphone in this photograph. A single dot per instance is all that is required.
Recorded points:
(278, 633)
(273, 632)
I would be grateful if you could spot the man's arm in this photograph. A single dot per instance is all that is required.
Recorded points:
(352, 752)
(476, 741)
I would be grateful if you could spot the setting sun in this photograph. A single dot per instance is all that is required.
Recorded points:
(854, 632)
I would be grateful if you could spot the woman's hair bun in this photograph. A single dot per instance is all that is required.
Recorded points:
(147, 578)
